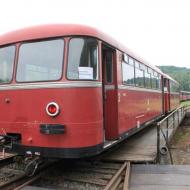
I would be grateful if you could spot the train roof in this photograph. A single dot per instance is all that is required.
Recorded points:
(183, 91)
(58, 30)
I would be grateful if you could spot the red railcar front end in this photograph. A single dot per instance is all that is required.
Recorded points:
(75, 132)
(51, 97)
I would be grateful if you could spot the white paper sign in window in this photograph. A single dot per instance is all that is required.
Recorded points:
(85, 73)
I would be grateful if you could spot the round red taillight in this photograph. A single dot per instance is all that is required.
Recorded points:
(52, 109)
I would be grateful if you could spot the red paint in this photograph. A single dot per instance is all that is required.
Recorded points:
(138, 107)
(166, 95)
(82, 116)
(174, 101)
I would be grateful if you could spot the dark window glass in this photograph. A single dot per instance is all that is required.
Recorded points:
(139, 76)
(83, 59)
(40, 61)
(7, 55)
(128, 74)
(109, 67)
(165, 82)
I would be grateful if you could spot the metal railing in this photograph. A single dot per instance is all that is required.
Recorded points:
(166, 129)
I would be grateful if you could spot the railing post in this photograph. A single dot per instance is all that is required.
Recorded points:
(181, 112)
(158, 143)
(178, 116)
(167, 133)
(173, 120)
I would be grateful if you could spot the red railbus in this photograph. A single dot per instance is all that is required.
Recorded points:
(184, 95)
(71, 91)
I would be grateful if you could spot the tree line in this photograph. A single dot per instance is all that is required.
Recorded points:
(180, 74)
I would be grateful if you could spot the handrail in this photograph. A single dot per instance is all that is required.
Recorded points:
(165, 118)
(186, 107)
(169, 124)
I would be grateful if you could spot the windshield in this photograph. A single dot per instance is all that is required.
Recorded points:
(40, 61)
(7, 55)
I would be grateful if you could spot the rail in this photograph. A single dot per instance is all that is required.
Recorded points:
(117, 179)
(166, 129)
(86, 175)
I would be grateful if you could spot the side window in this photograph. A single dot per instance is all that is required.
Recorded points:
(155, 80)
(83, 59)
(147, 78)
(139, 75)
(159, 82)
(128, 71)
(6, 63)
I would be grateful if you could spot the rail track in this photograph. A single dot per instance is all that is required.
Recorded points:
(90, 174)
(13, 171)
(6, 158)
(9, 170)
(82, 175)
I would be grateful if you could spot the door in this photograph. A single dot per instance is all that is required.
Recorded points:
(110, 102)
(166, 96)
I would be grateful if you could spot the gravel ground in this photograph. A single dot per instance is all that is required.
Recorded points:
(180, 145)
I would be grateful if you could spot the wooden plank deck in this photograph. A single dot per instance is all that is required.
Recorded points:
(159, 177)
(141, 147)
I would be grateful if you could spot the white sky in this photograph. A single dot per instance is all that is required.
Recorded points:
(157, 30)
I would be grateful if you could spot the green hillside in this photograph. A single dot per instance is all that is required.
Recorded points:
(180, 74)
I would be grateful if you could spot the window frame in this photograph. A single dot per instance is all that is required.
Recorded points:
(98, 59)
(155, 75)
(138, 66)
(42, 40)
(131, 65)
(13, 65)
(125, 58)
(159, 82)
(147, 71)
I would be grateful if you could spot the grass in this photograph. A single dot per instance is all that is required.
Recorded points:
(185, 103)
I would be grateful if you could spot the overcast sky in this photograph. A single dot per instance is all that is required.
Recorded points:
(157, 30)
